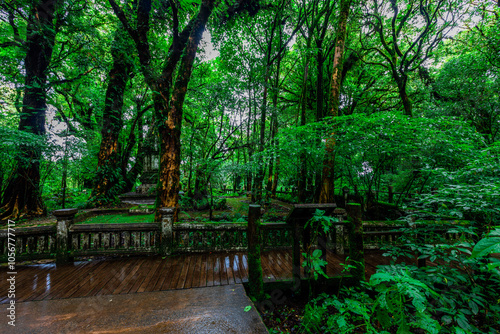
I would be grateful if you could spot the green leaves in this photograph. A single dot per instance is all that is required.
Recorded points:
(489, 244)
(315, 262)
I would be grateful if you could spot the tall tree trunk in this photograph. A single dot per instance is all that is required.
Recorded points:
(249, 140)
(22, 195)
(273, 176)
(259, 177)
(302, 174)
(170, 128)
(319, 110)
(109, 182)
(327, 184)
(405, 99)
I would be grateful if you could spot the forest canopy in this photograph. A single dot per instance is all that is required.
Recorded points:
(304, 96)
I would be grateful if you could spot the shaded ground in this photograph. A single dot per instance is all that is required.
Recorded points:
(237, 208)
(222, 309)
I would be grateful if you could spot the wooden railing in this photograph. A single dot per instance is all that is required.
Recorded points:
(275, 236)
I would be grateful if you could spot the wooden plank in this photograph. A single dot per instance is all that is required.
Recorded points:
(99, 277)
(157, 279)
(169, 274)
(235, 265)
(217, 272)
(42, 285)
(30, 281)
(280, 269)
(271, 264)
(129, 280)
(210, 269)
(118, 273)
(285, 261)
(85, 285)
(146, 269)
(176, 271)
(28, 276)
(57, 282)
(194, 273)
(163, 274)
(266, 272)
(222, 269)
(203, 271)
(183, 276)
(244, 265)
(151, 275)
(229, 268)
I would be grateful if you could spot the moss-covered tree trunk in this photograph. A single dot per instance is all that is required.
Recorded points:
(401, 81)
(109, 182)
(171, 112)
(327, 185)
(22, 195)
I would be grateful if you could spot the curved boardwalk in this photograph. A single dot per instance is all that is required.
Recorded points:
(145, 274)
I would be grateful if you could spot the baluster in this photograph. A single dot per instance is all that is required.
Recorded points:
(30, 245)
(106, 240)
(147, 240)
(52, 244)
(20, 242)
(136, 237)
(74, 242)
(126, 239)
(42, 244)
(85, 241)
(95, 241)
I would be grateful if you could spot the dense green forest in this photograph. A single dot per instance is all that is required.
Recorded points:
(288, 99)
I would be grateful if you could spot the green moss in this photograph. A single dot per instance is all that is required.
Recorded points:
(143, 206)
(119, 219)
(255, 282)
(384, 222)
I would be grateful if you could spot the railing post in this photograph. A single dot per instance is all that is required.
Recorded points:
(356, 247)
(166, 231)
(345, 192)
(65, 219)
(391, 194)
(255, 282)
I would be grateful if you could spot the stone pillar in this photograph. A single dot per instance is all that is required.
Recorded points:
(167, 231)
(65, 219)
(340, 239)
(356, 247)
(255, 282)
(345, 193)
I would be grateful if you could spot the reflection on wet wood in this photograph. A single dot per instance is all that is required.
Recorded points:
(153, 273)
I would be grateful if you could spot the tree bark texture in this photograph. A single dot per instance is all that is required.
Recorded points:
(22, 195)
(327, 184)
(170, 127)
(109, 182)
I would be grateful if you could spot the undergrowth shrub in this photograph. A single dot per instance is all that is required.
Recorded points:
(461, 294)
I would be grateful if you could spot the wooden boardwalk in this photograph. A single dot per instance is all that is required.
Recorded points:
(144, 274)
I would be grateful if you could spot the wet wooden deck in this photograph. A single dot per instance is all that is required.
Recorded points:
(145, 274)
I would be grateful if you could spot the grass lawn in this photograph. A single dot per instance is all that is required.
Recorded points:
(119, 219)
